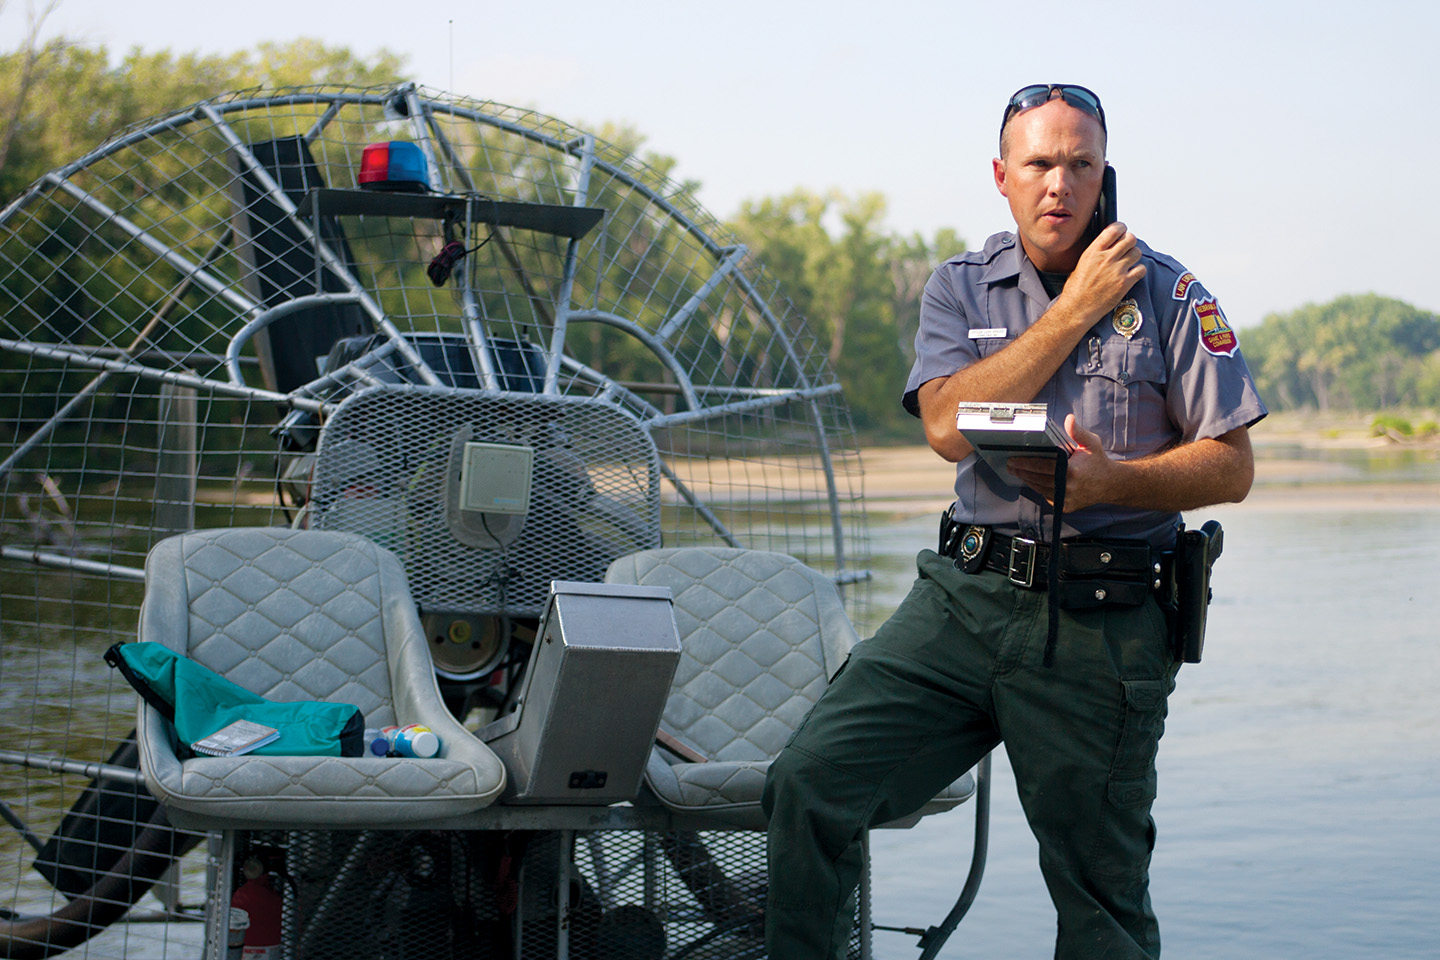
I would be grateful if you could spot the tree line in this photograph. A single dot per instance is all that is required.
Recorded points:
(1356, 353)
(856, 281)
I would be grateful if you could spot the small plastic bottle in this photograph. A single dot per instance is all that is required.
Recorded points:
(375, 743)
(412, 740)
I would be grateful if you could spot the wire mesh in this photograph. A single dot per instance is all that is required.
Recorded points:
(203, 319)
(627, 895)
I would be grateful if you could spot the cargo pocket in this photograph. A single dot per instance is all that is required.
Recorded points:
(1132, 776)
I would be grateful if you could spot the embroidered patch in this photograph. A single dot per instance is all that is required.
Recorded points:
(1127, 318)
(1182, 285)
(1215, 333)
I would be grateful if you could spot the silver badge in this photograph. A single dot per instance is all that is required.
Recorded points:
(971, 544)
(1127, 318)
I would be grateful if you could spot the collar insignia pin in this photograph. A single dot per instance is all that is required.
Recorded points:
(1127, 318)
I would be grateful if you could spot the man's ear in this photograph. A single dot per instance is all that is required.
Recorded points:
(999, 168)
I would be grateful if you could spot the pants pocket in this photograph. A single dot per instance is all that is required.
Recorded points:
(1132, 775)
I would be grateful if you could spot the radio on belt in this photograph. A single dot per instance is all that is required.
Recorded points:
(596, 685)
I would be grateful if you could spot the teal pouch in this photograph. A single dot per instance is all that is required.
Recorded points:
(198, 701)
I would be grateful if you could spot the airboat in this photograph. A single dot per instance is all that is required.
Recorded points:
(460, 414)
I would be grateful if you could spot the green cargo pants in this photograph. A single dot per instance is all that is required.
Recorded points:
(956, 670)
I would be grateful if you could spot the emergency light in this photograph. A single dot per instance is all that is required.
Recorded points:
(396, 165)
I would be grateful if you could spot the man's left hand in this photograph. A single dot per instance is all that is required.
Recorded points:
(1090, 475)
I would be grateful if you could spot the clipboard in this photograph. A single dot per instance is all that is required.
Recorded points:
(999, 431)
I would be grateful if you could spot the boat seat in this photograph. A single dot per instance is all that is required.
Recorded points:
(761, 634)
(303, 615)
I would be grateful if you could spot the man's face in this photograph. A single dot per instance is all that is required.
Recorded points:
(1051, 175)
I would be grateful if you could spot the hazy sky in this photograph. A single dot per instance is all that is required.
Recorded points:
(1284, 151)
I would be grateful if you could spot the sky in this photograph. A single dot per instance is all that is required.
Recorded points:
(1269, 146)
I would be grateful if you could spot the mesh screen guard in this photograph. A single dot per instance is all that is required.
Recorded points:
(380, 470)
(670, 393)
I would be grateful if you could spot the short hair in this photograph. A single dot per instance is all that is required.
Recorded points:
(1005, 133)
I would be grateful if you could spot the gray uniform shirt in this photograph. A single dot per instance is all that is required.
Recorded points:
(1177, 376)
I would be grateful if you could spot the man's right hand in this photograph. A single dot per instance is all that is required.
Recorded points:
(1107, 270)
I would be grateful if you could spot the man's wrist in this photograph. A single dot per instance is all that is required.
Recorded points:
(1075, 313)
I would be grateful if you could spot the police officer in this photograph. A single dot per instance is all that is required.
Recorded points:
(1138, 359)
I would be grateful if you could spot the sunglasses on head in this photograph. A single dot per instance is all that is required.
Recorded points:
(1041, 93)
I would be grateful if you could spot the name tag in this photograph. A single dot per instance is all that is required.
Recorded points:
(989, 333)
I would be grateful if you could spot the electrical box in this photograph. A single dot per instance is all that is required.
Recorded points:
(495, 478)
(597, 683)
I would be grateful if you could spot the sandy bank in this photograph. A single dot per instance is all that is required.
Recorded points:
(912, 480)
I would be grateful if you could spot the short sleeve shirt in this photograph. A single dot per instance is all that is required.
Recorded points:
(1163, 368)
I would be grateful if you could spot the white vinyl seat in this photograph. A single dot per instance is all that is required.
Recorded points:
(761, 634)
(303, 615)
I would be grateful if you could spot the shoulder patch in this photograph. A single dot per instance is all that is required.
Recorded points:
(1215, 333)
(1182, 284)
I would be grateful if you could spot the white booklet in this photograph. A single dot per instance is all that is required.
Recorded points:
(236, 738)
(999, 431)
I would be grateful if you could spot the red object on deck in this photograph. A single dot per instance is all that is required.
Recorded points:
(261, 901)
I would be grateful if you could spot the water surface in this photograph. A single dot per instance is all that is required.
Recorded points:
(1299, 805)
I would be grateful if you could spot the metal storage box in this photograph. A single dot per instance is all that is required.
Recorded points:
(594, 691)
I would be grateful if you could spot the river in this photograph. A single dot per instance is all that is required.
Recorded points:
(1299, 804)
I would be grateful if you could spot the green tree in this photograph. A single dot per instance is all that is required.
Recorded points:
(1357, 352)
(29, 62)
(49, 124)
(857, 285)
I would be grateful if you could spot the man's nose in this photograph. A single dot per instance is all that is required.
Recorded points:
(1059, 183)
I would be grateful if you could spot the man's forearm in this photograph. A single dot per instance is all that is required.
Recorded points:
(1014, 374)
(1197, 474)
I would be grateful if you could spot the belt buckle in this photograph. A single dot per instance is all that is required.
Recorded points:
(1022, 562)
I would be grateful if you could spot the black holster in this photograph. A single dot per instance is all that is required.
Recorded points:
(1187, 595)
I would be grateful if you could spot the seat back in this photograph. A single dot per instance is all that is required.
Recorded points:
(760, 636)
(287, 614)
(278, 262)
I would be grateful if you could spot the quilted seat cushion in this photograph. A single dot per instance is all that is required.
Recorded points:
(289, 617)
(729, 792)
(761, 636)
(208, 792)
(302, 614)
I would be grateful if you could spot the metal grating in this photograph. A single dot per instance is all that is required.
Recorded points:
(387, 457)
(190, 335)
(632, 895)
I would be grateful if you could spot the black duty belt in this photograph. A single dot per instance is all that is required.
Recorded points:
(1093, 572)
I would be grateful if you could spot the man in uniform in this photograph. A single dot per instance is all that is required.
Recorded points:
(1137, 359)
